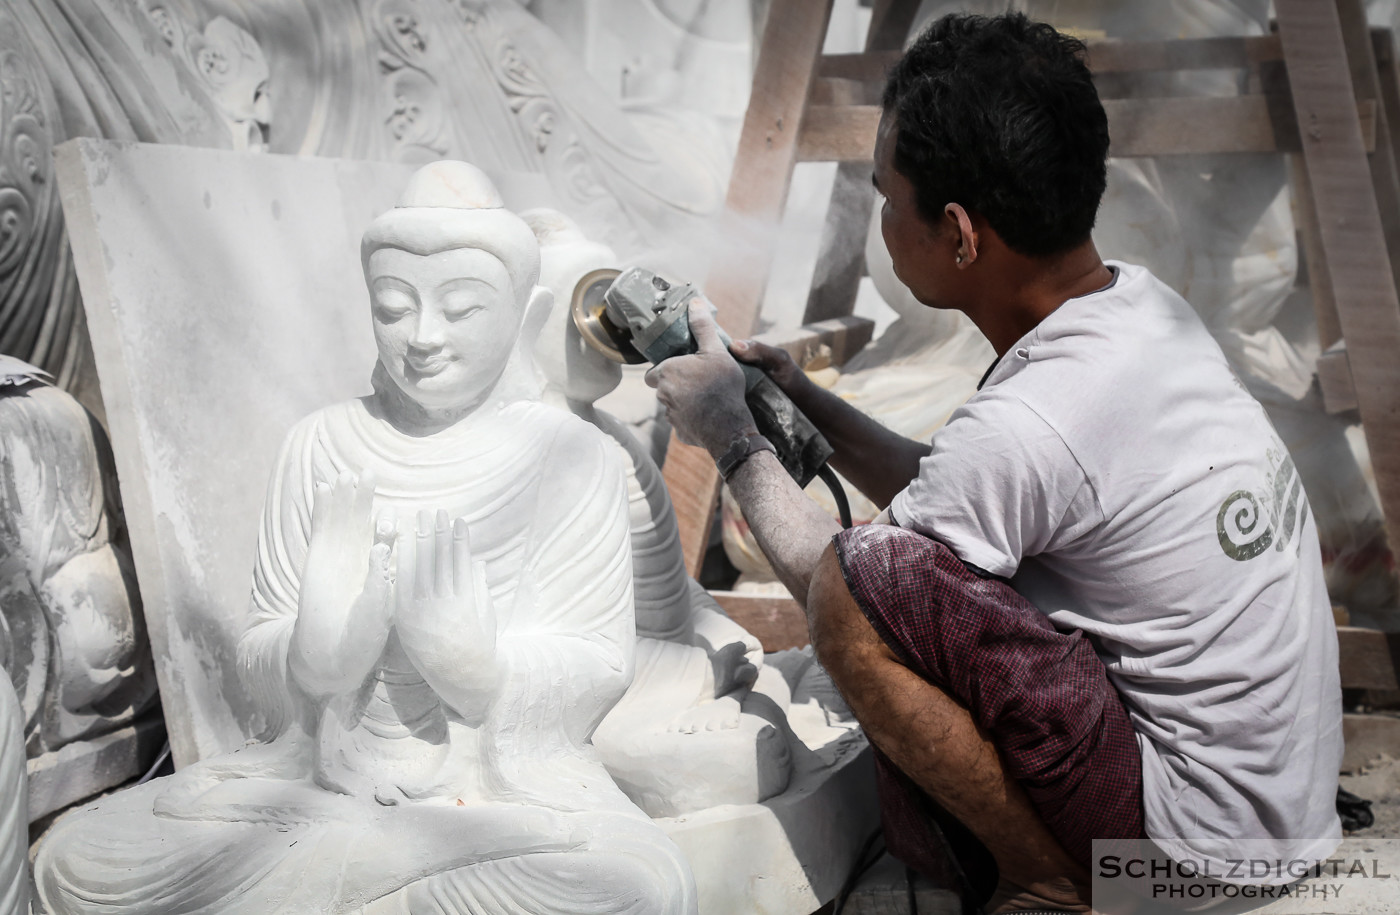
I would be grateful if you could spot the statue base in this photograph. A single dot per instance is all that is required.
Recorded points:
(86, 767)
(790, 854)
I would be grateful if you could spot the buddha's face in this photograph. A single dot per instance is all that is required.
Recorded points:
(445, 323)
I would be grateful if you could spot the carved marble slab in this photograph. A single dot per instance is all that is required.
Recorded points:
(226, 301)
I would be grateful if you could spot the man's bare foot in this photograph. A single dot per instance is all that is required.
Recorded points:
(1061, 895)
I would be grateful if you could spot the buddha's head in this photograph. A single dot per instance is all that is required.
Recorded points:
(568, 364)
(451, 276)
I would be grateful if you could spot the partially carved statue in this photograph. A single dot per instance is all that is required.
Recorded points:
(71, 636)
(691, 732)
(442, 615)
(706, 721)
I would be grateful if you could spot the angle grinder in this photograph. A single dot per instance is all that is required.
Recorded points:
(634, 316)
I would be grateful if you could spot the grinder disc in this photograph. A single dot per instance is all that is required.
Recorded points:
(589, 310)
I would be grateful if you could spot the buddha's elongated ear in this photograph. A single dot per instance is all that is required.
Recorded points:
(536, 312)
(518, 379)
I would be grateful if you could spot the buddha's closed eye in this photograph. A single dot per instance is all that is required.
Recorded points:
(392, 304)
(459, 305)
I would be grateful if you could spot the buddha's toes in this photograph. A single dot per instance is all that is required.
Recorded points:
(720, 715)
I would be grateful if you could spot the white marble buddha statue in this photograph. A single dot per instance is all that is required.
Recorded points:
(442, 615)
(704, 722)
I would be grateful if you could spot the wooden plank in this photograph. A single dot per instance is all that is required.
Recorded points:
(845, 335)
(1229, 53)
(758, 185)
(1334, 377)
(845, 134)
(828, 90)
(1324, 303)
(1137, 127)
(1350, 228)
(693, 483)
(1194, 125)
(777, 622)
(1366, 87)
(758, 190)
(1383, 48)
(840, 260)
(841, 254)
(1366, 737)
(1368, 658)
(871, 66)
(890, 22)
(1208, 125)
(1105, 56)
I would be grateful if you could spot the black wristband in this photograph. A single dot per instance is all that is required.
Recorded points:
(740, 450)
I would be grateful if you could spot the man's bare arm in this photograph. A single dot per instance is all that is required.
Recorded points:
(791, 529)
(704, 397)
(877, 460)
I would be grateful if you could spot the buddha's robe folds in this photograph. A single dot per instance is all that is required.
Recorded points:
(385, 799)
(671, 743)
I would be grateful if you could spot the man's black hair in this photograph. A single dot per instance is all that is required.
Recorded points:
(1001, 116)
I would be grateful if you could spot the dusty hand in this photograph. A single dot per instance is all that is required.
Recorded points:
(703, 393)
(777, 363)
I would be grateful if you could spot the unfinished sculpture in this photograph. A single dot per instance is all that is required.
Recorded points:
(433, 683)
(692, 731)
(71, 635)
(706, 721)
(754, 761)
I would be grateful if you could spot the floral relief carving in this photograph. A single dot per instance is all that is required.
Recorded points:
(415, 120)
(568, 163)
(228, 64)
(25, 148)
(167, 24)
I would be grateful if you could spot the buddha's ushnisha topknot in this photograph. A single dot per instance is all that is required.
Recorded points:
(447, 183)
(449, 205)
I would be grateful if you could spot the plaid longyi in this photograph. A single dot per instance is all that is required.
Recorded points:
(1042, 695)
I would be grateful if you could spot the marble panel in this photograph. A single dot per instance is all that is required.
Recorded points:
(226, 301)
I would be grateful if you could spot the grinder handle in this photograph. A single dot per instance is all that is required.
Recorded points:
(801, 448)
(753, 375)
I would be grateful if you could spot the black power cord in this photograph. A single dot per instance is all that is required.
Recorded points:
(871, 852)
(843, 507)
(155, 766)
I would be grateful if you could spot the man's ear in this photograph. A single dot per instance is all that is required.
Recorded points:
(536, 312)
(966, 235)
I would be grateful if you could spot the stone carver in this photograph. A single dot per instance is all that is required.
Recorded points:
(442, 614)
(1099, 567)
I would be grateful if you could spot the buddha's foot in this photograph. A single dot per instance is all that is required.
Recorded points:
(719, 715)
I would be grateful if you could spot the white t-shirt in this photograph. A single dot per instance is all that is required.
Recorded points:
(1114, 468)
